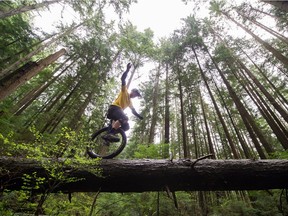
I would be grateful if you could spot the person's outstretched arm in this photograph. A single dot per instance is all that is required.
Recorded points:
(136, 114)
(124, 75)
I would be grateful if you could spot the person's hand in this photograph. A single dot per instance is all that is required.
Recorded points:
(129, 65)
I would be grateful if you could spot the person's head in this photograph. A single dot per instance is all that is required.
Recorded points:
(135, 93)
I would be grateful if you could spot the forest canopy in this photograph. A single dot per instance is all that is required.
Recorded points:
(217, 85)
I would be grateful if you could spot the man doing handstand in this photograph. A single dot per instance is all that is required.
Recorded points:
(115, 111)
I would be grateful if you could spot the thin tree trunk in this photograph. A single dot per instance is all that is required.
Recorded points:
(154, 106)
(266, 78)
(281, 111)
(23, 52)
(259, 101)
(20, 77)
(167, 112)
(183, 117)
(193, 125)
(225, 128)
(38, 50)
(74, 122)
(34, 93)
(94, 203)
(51, 122)
(26, 8)
(244, 146)
(247, 119)
(210, 144)
(282, 5)
(269, 30)
(263, 12)
(132, 73)
(251, 121)
(276, 53)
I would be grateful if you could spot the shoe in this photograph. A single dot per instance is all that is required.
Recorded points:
(111, 138)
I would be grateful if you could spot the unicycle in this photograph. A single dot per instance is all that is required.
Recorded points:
(100, 148)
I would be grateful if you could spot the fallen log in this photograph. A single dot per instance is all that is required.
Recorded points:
(156, 175)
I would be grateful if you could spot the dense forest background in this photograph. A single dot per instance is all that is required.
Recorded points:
(217, 85)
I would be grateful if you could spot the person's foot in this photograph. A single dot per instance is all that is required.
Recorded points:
(111, 138)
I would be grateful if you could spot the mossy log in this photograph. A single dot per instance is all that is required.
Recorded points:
(154, 175)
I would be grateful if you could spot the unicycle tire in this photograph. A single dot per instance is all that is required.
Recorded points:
(100, 148)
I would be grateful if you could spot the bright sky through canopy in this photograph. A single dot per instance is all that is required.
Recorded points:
(162, 16)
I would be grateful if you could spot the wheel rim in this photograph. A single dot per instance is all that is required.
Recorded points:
(105, 149)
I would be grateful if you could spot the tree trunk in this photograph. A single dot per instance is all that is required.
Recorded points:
(247, 119)
(10, 59)
(153, 175)
(26, 8)
(18, 78)
(225, 128)
(210, 144)
(76, 120)
(274, 88)
(260, 103)
(183, 117)
(276, 53)
(282, 5)
(34, 93)
(38, 50)
(50, 124)
(269, 30)
(244, 146)
(155, 104)
(280, 109)
(167, 111)
(132, 73)
(269, 149)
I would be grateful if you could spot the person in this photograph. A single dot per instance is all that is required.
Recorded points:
(116, 109)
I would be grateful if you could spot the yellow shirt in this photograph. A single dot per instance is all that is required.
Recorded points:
(123, 100)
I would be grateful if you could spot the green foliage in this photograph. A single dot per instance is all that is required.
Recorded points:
(235, 208)
(16, 35)
(141, 151)
(279, 155)
(147, 151)
(16, 201)
(59, 204)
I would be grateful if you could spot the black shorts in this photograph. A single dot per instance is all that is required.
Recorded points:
(116, 113)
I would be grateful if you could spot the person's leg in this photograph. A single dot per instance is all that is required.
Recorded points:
(124, 124)
(115, 113)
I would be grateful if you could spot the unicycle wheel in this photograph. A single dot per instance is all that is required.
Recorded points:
(101, 148)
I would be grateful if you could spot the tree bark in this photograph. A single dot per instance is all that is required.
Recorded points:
(245, 148)
(269, 30)
(250, 125)
(20, 77)
(26, 8)
(270, 97)
(167, 110)
(155, 104)
(225, 128)
(36, 92)
(23, 60)
(183, 116)
(208, 133)
(271, 49)
(282, 5)
(155, 175)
